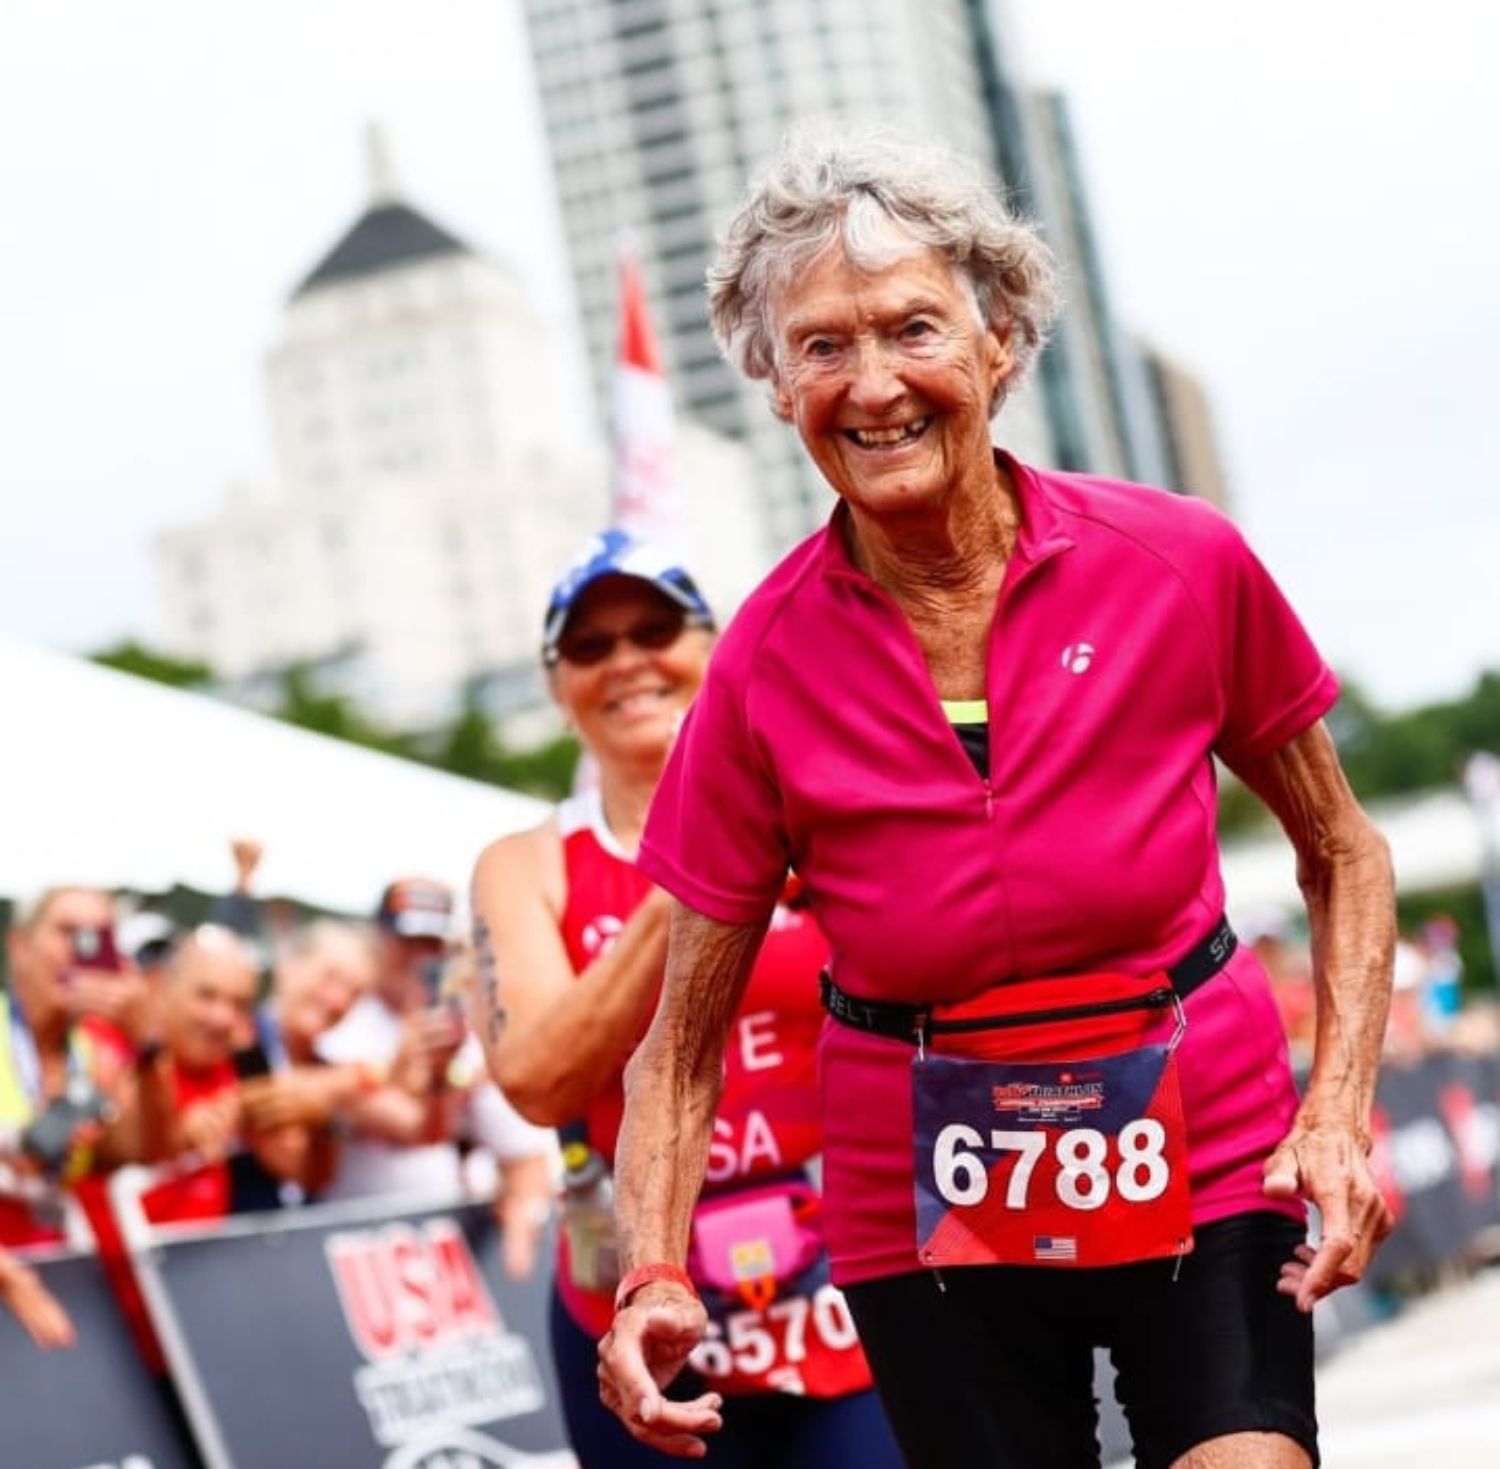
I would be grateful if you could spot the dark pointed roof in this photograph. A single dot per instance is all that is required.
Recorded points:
(384, 235)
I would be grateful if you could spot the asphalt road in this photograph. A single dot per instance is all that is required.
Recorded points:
(1421, 1391)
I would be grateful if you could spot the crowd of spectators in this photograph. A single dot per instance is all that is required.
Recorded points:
(260, 1062)
(1428, 1010)
(250, 1063)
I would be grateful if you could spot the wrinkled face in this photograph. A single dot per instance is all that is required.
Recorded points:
(628, 703)
(888, 377)
(209, 999)
(42, 955)
(315, 988)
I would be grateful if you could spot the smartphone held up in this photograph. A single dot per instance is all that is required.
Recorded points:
(95, 948)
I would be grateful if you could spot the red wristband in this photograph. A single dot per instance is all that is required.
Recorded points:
(644, 1274)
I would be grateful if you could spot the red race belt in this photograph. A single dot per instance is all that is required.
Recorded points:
(1047, 1116)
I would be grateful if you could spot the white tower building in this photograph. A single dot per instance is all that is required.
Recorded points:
(429, 482)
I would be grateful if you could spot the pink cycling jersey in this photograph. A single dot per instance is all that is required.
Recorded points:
(1135, 636)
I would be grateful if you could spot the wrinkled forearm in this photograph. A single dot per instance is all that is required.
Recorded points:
(662, 1153)
(1350, 896)
(1344, 870)
(672, 1087)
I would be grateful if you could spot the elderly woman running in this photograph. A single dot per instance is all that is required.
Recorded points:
(977, 714)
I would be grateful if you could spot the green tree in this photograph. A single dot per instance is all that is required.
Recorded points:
(143, 662)
(335, 715)
(470, 747)
(1420, 748)
(546, 771)
(1390, 754)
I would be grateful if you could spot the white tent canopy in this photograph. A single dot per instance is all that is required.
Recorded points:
(1435, 843)
(111, 780)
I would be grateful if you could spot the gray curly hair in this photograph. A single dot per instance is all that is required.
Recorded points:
(832, 181)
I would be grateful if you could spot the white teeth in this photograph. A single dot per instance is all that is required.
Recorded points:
(872, 438)
(641, 699)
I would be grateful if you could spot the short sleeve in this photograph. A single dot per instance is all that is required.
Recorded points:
(714, 838)
(1275, 683)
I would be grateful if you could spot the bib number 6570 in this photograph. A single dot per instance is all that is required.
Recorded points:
(1084, 1180)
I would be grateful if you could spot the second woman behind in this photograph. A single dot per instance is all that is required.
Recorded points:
(572, 943)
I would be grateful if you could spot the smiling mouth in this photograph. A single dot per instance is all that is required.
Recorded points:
(636, 699)
(888, 438)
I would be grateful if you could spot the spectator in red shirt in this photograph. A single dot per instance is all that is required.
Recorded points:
(191, 1106)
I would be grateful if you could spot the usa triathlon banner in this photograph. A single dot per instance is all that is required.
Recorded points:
(372, 1337)
(93, 1405)
(1437, 1159)
(357, 1337)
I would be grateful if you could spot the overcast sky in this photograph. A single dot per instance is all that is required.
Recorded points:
(1296, 198)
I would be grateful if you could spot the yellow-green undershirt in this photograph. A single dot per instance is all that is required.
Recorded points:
(970, 719)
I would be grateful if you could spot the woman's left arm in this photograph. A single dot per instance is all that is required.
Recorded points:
(1344, 871)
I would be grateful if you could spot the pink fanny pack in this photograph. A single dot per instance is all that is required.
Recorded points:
(751, 1242)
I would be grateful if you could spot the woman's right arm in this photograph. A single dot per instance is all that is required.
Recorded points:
(553, 1039)
(672, 1089)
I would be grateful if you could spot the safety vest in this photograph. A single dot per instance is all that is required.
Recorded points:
(20, 1095)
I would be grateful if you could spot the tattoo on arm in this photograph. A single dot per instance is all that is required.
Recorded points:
(489, 979)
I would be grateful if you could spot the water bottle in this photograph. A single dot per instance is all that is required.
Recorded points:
(588, 1219)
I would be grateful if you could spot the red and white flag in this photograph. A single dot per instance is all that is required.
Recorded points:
(645, 498)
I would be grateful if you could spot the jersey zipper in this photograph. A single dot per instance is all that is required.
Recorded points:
(1016, 576)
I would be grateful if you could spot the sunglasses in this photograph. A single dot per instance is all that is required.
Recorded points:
(586, 650)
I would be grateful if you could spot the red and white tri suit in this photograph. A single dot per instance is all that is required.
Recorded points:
(767, 1124)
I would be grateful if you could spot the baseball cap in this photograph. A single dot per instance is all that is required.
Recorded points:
(147, 938)
(416, 908)
(618, 553)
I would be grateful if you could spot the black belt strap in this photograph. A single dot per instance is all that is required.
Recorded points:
(902, 1022)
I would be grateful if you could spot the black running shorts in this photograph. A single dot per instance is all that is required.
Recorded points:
(993, 1365)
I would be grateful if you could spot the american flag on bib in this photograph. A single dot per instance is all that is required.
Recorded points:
(1054, 1247)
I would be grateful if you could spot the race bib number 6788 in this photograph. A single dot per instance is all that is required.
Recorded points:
(1055, 1163)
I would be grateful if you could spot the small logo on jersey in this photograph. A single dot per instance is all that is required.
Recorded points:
(1076, 657)
(599, 934)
